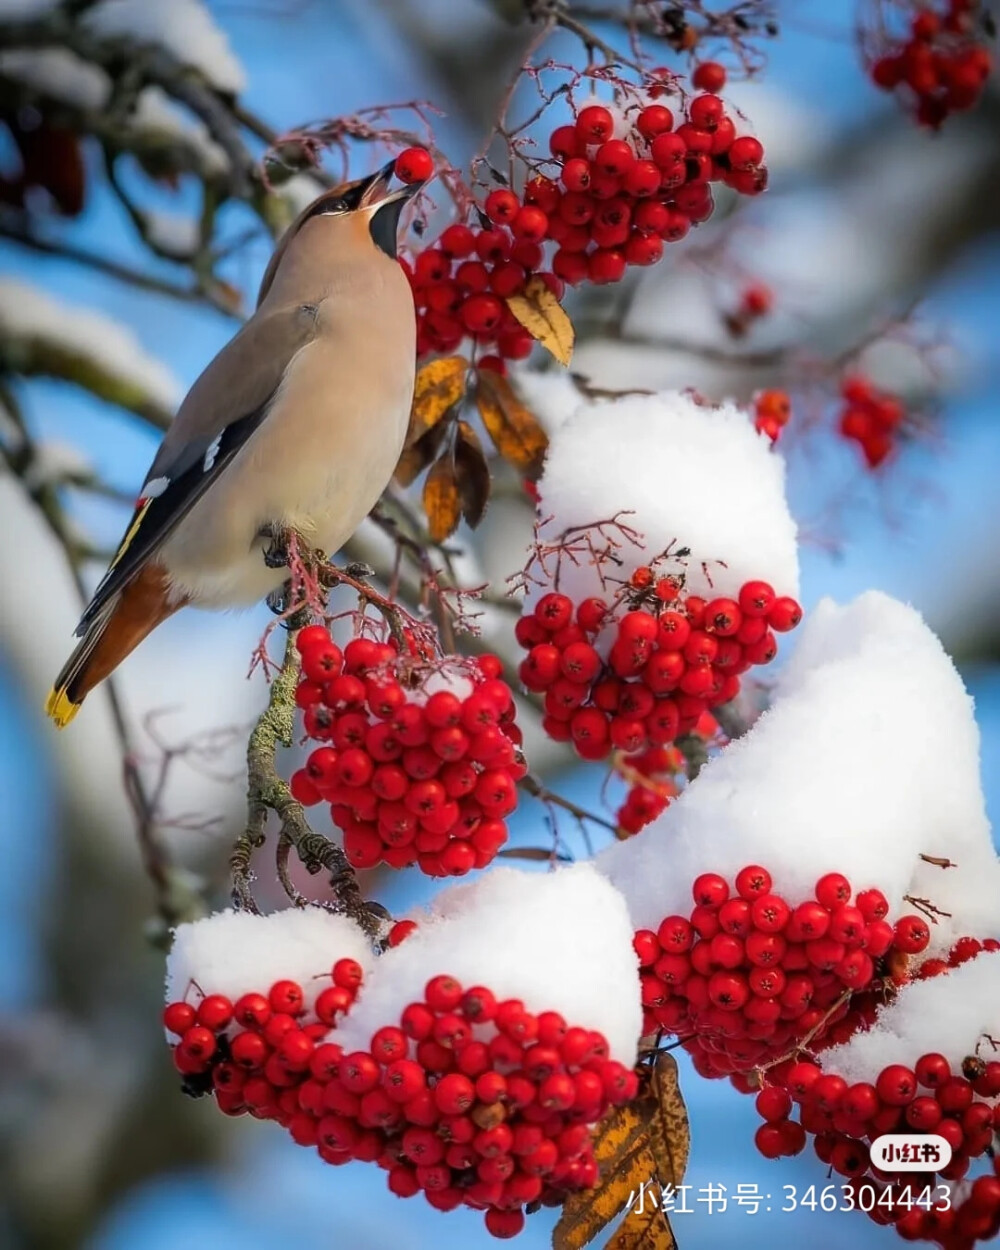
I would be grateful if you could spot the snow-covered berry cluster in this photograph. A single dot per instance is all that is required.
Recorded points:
(887, 1080)
(645, 668)
(254, 1054)
(418, 762)
(631, 177)
(458, 1088)
(747, 975)
(870, 418)
(940, 65)
(466, 1099)
(646, 602)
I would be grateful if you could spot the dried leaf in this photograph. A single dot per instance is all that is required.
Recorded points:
(415, 459)
(638, 1148)
(544, 318)
(669, 1128)
(513, 428)
(440, 384)
(473, 474)
(649, 1230)
(442, 501)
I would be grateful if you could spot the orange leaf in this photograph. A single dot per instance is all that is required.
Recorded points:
(513, 428)
(638, 1148)
(544, 318)
(439, 385)
(473, 474)
(442, 500)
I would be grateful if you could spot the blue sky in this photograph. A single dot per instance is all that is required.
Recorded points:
(319, 64)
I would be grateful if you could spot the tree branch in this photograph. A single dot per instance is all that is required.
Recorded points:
(268, 792)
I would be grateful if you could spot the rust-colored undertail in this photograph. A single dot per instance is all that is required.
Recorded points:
(128, 618)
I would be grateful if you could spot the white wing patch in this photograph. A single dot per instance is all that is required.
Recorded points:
(155, 488)
(212, 452)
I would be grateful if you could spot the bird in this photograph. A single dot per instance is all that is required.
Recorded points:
(296, 426)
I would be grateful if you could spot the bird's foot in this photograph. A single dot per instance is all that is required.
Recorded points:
(280, 603)
(276, 551)
(277, 600)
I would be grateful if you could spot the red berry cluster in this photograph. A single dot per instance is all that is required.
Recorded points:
(411, 777)
(652, 774)
(772, 411)
(925, 1098)
(965, 948)
(974, 1216)
(620, 200)
(842, 1116)
(747, 974)
(939, 67)
(615, 202)
(870, 418)
(468, 1100)
(672, 656)
(462, 283)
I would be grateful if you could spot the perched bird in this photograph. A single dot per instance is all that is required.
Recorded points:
(295, 426)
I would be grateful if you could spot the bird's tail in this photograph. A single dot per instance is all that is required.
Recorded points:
(116, 631)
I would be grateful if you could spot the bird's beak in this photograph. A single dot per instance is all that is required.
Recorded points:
(375, 190)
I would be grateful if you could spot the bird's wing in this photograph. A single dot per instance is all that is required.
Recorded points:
(226, 404)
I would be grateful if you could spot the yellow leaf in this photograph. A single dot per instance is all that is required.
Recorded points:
(639, 1148)
(513, 428)
(439, 385)
(544, 318)
(473, 474)
(442, 500)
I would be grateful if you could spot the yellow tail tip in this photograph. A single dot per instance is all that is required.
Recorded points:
(61, 708)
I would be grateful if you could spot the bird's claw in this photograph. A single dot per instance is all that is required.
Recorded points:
(276, 551)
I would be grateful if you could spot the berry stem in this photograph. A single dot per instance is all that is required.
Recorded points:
(531, 785)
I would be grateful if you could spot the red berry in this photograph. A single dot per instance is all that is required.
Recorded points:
(594, 124)
(753, 881)
(710, 890)
(832, 890)
(654, 120)
(286, 997)
(502, 206)
(614, 157)
(414, 165)
(746, 153)
(896, 1085)
(215, 1011)
(773, 1103)
(504, 1224)
(784, 614)
(912, 934)
(709, 76)
(178, 1018)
